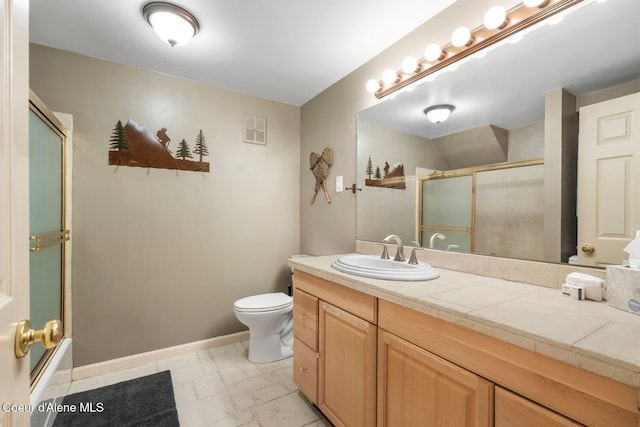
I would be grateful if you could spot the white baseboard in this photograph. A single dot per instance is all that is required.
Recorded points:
(135, 360)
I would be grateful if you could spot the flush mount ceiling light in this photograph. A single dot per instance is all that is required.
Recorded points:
(172, 23)
(438, 113)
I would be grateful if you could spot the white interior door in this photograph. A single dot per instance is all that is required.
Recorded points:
(608, 180)
(14, 207)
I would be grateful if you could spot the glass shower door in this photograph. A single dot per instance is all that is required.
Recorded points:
(447, 209)
(47, 230)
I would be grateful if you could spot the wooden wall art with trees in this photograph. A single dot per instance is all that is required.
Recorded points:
(393, 176)
(135, 145)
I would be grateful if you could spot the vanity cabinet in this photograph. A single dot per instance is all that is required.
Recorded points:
(344, 387)
(418, 388)
(553, 387)
(369, 362)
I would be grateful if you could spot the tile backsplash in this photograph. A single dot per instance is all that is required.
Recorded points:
(532, 272)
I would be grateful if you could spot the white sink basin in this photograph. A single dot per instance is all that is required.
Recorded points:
(375, 267)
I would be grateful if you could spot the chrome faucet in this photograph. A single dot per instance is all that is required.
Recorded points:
(400, 252)
(413, 259)
(433, 236)
(385, 252)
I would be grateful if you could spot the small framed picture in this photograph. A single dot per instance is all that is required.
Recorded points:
(255, 129)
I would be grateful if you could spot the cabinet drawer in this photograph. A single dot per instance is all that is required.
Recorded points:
(362, 305)
(305, 318)
(305, 369)
(515, 411)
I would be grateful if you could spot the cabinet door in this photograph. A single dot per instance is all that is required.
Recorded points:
(516, 411)
(418, 388)
(347, 368)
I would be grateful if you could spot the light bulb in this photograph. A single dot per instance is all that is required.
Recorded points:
(433, 52)
(495, 17)
(410, 65)
(389, 76)
(373, 85)
(461, 37)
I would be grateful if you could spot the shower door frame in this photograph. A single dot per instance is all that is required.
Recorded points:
(40, 109)
(470, 171)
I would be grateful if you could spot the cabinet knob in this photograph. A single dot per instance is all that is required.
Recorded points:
(302, 317)
(303, 368)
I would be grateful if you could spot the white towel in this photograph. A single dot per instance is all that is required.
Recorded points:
(595, 287)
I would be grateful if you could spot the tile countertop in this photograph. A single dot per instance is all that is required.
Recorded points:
(587, 334)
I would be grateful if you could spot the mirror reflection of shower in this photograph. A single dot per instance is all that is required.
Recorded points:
(434, 236)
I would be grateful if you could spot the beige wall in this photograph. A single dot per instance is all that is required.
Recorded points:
(379, 207)
(160, 255)
(329, 120)
(526, 143)
(561, 166)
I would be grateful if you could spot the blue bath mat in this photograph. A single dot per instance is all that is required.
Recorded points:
(145, 401)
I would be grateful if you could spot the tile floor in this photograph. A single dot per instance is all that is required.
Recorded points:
(220, 387)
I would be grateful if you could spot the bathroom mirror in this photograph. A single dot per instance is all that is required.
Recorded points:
(499, 116)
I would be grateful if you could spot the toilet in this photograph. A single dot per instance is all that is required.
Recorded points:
(270, 321)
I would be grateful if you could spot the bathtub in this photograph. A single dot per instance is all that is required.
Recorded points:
(52, 386)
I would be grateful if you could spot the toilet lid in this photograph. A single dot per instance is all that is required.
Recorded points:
(264, 302)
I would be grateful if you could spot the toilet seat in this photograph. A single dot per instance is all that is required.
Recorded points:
(263, 303)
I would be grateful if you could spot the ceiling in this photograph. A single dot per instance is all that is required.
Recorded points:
(283, 50)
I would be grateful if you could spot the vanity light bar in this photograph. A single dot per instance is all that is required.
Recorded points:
(437, 58)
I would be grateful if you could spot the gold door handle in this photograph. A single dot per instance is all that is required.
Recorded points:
(26, 336)
(588, 249)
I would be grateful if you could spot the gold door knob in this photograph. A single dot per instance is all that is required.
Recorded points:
(588, 249)
(26, 336)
